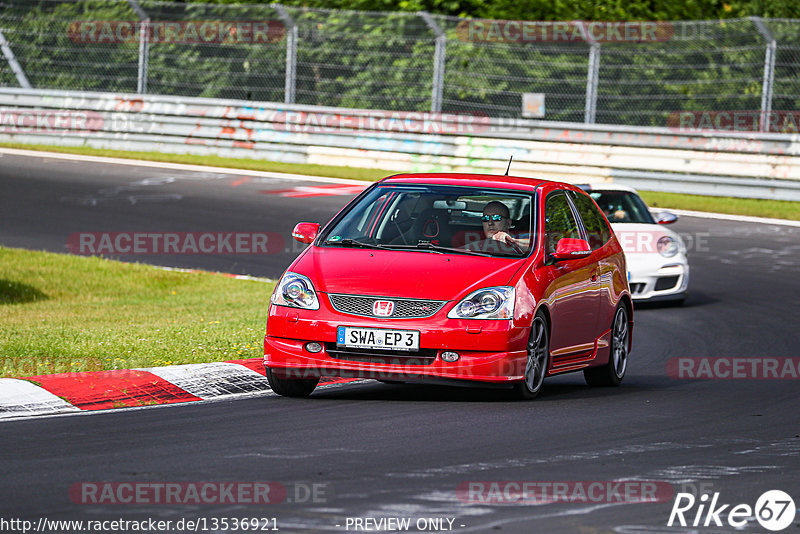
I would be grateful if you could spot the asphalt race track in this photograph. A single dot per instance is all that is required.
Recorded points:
(378, 450)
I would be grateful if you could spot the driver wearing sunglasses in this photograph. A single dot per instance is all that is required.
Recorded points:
(496, 224)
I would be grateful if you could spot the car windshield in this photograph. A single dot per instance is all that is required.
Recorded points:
(437, 219)
(622, 207)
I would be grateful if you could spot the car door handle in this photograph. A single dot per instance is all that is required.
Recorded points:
(594, 276)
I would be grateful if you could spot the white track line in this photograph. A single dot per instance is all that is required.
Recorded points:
(180, 166)
(226, 275)
(728, 217)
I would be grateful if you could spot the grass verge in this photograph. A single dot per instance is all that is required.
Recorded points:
(756, 207)
(64, 313)
(778, 209)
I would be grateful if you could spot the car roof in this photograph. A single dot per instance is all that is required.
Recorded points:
(476, 180)
(605, 186)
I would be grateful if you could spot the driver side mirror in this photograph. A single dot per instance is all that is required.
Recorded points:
(665, 217)
(305, 232)
(569, 248)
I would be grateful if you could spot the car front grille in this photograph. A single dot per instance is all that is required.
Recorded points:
(403, 308)
(666, 282)
(637, 288)
(391, 357)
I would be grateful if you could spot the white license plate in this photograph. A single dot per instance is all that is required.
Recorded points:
(374, 338)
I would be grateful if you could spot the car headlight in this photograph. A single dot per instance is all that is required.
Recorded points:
(486, 303)
(296, 291)
(668, 246)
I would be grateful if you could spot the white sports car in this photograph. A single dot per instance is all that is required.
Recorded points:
(657, 265)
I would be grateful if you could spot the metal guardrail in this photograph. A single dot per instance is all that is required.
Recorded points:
(710, 163)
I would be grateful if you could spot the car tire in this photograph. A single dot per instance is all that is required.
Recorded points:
(612, 373)
(538, 359)
(291, 387)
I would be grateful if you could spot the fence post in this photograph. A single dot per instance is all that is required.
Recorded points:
(592, 80)
(22, 80)
(291, 53)
(438, 61)
(769, 73)
(592, 74)
(144, 46)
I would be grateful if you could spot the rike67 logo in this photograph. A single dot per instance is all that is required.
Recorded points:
(774, 510)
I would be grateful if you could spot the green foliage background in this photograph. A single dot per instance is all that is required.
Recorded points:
(382, 56)
(567, 9)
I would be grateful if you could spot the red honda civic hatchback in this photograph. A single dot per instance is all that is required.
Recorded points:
(457, 279)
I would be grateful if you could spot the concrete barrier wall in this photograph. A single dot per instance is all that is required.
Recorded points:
(661, 159)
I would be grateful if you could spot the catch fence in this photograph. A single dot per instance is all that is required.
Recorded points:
(636, 74)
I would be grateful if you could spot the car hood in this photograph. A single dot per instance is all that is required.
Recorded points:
(406, 274)
(642, 238)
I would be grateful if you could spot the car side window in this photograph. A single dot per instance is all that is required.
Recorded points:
(598, 231)
(559, 222)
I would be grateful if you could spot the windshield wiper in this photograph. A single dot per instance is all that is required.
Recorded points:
(440, 249)
(420, 246)
(353, 243)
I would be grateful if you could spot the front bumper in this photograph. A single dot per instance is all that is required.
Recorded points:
(653, 277)
(491, 351)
